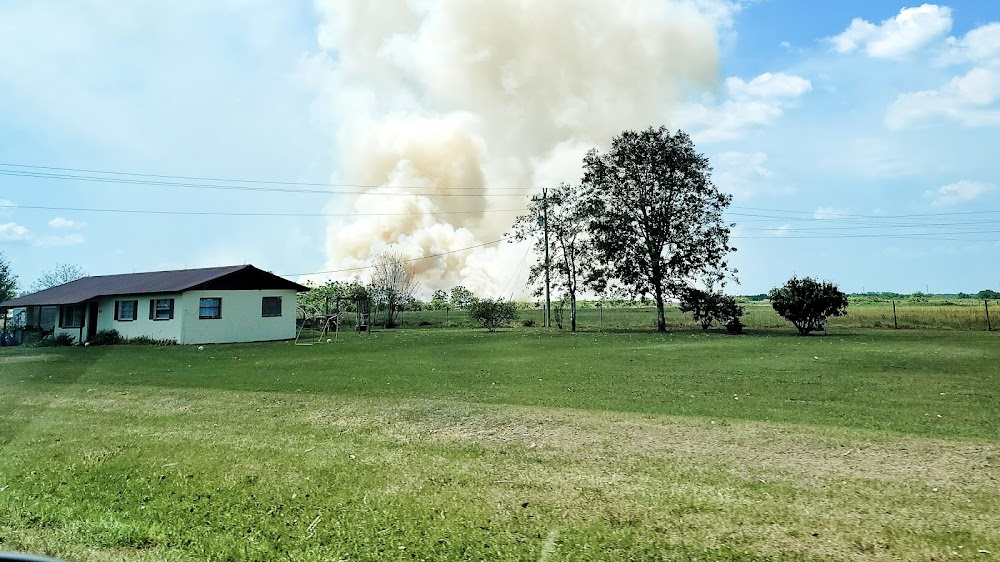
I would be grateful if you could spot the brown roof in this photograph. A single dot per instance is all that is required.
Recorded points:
(235, 277)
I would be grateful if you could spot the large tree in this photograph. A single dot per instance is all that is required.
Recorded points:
(655, 216)
(8, 281)
(63, 273)
(562, 211)
(392, 285)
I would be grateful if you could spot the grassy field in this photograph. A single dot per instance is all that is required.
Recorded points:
(522, 445)
(934, 313)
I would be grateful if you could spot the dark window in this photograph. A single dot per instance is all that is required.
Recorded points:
(71, 316)
(125, 311)
(270, 306)
(210, 308)
(161, 309)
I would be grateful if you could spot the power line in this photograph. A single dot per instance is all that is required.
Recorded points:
(362, 268)
(129, 178)
(49, 173)
(256, 189)
(834, 216)
(248, 214)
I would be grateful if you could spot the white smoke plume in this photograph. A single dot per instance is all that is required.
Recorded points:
(455, 111)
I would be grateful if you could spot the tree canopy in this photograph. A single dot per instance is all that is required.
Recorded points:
(63, 273)
(655, 217)
(562, 211)
(8, 281)
(393, 285)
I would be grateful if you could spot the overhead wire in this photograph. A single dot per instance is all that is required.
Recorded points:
(887, 224)
(250, 214)
(364, 267)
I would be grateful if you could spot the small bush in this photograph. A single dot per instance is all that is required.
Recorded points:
(424, 323)
(63, 340)
(708, 307)
(107, 337)
(492, 314)
(528, 323)
(807, 303)
(146, 340)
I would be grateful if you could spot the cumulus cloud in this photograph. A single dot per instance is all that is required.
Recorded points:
(12, 231)
(446, 106)
(756, 103)
(59, 222)
(981, 44)
(958, 192)
(970, 100)
(7, 207)
(899, 36)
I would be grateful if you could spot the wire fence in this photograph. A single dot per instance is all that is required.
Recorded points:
(968, 315)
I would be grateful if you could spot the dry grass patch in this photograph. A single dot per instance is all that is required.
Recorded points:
(771, 488)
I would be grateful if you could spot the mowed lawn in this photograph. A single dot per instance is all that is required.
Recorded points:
(443, 444)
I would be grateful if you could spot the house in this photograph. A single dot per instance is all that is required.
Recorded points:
(211, 305)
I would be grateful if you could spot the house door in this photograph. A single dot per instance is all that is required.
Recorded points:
(92, 321)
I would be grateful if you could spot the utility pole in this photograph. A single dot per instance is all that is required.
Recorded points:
(547, 318)
(545, 221)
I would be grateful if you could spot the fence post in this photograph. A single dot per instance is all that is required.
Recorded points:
(895, 322)
(989, 326)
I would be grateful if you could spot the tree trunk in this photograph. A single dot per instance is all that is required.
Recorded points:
(661, 319)
(572, 312)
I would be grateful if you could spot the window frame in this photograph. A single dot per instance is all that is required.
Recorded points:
(118, 310)
(263, 308)
(154, 309)
(78, 319)
(202, 307)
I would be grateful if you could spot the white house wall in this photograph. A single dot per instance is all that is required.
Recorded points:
(241, 317)
(142, 325)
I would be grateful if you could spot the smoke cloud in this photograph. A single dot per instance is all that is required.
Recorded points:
(455, 111)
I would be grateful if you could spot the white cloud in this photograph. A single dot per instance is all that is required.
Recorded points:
(971, 100)
(958, 192)
(830, 213)
(59, 222)
(7, 207)
(13, 231)
(896, 37)
(756, 103)
(978, 45)
(745, 174)
(57, 241)
(768, 86)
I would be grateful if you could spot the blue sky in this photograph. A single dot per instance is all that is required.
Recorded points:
(858, 138)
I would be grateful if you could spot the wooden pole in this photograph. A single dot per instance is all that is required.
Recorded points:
(894, 321)
(545, 219)
(989, 326)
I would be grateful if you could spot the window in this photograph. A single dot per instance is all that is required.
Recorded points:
(270, 306)
(210, 308)
(71, 316)
(125, 311)
(161, 309)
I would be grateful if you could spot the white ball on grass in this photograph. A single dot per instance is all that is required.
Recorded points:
(201, 348)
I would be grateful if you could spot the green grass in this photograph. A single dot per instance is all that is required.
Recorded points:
(522, 445)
